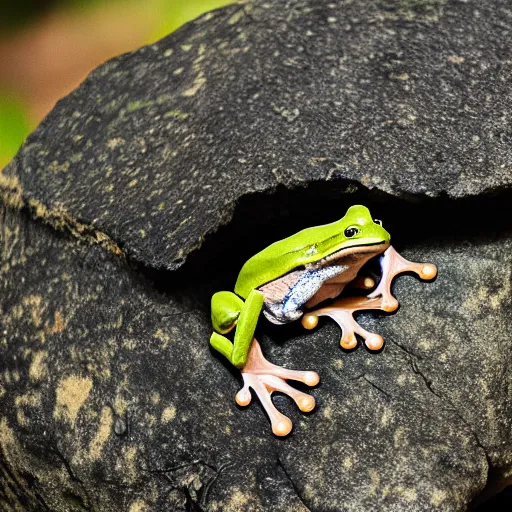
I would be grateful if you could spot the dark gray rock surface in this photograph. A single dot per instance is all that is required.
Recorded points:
(237, 130)
(156, 147)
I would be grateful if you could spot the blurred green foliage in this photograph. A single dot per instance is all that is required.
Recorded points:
(15, 15)
(177, 12)
(14, 127)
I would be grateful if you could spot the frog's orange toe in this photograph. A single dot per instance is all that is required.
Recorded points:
(389, 304)
(374, 342)
(311, 378)
(368, 283)
(282, 427)
(243, 397)
(349, 342)
(428, 271)
(309, 321)
(306, 404)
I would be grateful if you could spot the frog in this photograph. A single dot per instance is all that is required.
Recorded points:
(285, 282)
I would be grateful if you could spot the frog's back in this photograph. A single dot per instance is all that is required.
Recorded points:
(282, 257)
(261, 269)
(307, 246)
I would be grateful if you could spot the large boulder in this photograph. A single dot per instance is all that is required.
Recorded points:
(145, 190)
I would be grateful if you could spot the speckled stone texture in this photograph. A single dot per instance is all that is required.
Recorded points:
(145, 190)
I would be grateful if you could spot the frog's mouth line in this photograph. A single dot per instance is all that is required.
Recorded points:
(352, 251)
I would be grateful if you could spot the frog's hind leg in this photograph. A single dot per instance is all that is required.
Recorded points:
(228, 311)
(265, 378)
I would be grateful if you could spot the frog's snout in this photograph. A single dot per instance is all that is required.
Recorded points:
(385, 235)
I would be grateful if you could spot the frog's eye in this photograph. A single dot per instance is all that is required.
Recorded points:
(350, 232)
(377, 221)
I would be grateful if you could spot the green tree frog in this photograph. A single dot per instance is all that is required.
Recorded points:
(286, 280)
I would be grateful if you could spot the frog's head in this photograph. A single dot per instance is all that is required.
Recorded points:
(356, 228)
(316, 245)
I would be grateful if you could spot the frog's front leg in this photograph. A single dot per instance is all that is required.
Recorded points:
(342, 312)
(343, 309)
(228, 311)
(393, 264)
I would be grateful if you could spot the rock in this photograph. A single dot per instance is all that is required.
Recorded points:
(156, 148)
(241, 128)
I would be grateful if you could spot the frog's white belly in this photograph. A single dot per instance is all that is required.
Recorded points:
(285, 297)
(305, 284)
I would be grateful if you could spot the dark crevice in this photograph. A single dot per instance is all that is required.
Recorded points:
(183, 465)
(79, 500)
(416, 370)
(260, 219)
(217, 470)
(496, 485)
(22, 486)
(31, 484)
(292, 483)
(42, 502)
(191, 504)
(494, 497)
(9, 479)
(409, 352)
(413, 363)
(211, 481)
(373, 385)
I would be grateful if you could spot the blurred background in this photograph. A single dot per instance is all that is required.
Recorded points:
(47, 47)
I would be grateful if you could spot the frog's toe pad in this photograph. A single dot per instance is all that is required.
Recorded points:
(428, 271)
(243, 397)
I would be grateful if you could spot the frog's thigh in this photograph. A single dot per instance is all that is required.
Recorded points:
(226, 308)
(246, 326)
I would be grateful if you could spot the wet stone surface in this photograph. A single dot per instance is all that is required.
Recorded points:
(241, 128)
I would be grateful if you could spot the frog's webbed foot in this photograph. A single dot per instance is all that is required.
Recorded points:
(342, 310)
(265, 378)
(392, 264)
